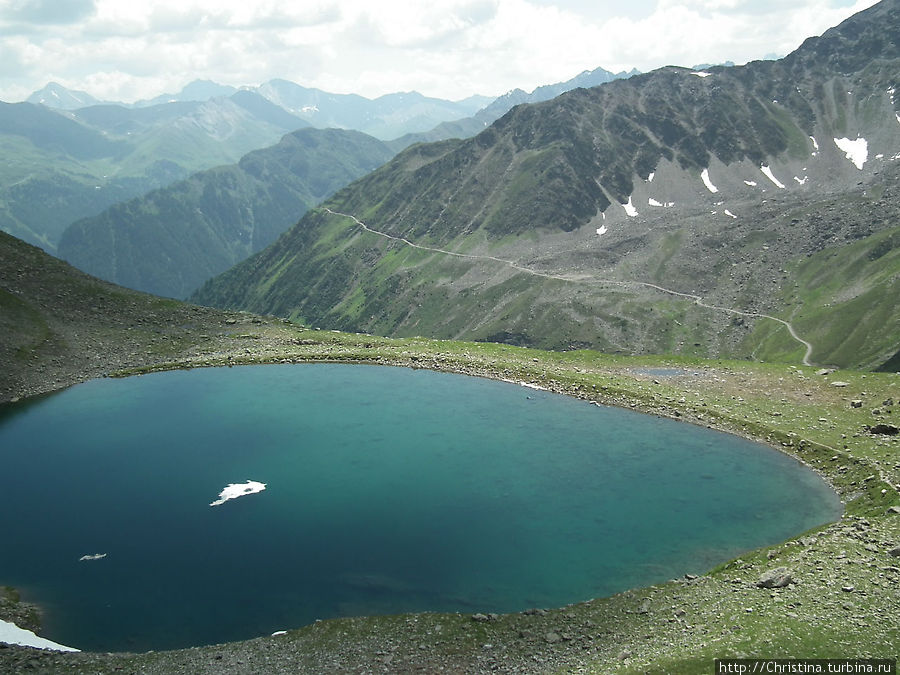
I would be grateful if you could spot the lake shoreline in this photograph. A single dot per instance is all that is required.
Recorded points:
(858, 480)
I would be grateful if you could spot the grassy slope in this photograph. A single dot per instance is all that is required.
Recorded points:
(846, 301)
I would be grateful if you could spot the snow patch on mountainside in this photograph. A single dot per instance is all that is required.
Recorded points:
(856, 151)
(629, 208)
(771, 176)
(704, 176)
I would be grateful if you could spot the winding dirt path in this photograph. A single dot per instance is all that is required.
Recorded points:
(696, 299)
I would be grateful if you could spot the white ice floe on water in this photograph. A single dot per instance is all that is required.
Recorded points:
(629, 208)
(602, 230)
(94, 556)
(235, 490)
(856, 151)
(771, 176)
(704, 176)
(11, 634)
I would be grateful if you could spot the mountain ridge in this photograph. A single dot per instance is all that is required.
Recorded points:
(669, 168)
(171, 240)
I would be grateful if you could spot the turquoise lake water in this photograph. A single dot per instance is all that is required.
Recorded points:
(387, 490)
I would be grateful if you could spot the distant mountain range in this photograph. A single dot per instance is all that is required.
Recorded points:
(70, 163)
(171, 240)
(61, 166)
(668, 212)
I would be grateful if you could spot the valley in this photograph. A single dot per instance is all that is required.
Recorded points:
(718, 247)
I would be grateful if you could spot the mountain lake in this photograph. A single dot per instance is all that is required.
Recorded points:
(201, 506)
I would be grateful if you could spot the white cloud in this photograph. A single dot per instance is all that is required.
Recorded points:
(448, 48)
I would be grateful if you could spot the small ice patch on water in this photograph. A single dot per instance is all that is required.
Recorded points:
(235, 490)
(856, 151)
(94, 556)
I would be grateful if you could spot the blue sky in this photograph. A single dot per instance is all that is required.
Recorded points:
(126, 50)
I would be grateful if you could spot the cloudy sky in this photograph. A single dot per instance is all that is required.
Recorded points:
(130, 49)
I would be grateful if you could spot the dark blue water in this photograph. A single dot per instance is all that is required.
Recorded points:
(388, 490)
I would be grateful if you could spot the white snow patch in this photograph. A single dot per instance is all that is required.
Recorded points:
(751, 183)
(653, 202)
(602, 230)
(11, 634)
(897, 115)
(309, 109)
(879, 156)
(95, 556)
(815, 145)
(235, 490)
(527, 384)
(856, 151)
(704, 176)
(651, 176)
(701, 73)
(802, 181)
(768, 173)
(729, 213)
(279, 632)
(629, 208)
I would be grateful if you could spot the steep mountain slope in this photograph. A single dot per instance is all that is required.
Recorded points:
(173, 239)
(59, 326)
(54, 95)
(64, 165)
(602, 217)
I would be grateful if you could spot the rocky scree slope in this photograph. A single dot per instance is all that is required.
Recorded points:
(570, 223)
